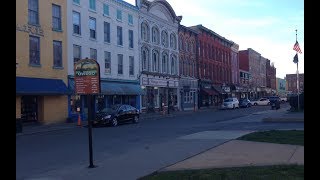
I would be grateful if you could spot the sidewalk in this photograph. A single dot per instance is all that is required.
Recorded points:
(238, 153)
(286, 116)
(40, 128)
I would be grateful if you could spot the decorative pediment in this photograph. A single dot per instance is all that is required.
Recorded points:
(162, 9)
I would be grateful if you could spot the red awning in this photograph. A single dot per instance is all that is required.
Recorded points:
(209, 92)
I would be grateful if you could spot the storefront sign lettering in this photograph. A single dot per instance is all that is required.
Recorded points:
(226, 88)
(145, 81)
(159, 82)
(34, 30)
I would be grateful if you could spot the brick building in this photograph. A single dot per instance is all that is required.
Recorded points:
(270, 78)
(256, 75)
(244, 73)
(214, 53)
(188, 68)
(273, 79)
(235, 88)
(291, 80)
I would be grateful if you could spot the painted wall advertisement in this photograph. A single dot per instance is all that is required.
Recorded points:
(87, 77)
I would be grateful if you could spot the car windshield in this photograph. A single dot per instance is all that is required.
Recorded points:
(228, 100)
(111, 109)
(274, 98)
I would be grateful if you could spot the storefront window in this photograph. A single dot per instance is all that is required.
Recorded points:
(117, 99)
(75, 102)
(144, 98)
(109, 101)
(101, 103)
(173, 101)
(132, 101)
(156, 98)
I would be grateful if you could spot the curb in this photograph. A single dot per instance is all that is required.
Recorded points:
(44, 131)
(63, 126)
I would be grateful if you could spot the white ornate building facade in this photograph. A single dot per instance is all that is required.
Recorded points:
(159, 55)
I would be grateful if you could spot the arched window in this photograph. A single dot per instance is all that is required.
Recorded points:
(155, 61)
(186, 46)
(192, 46)
(173, 41)
(145, 32)
(145, 58)
(164, 38)
(181, 66)
(180, 43)
(155, 35)
(193, 69)
(173, 64)
(164, 62)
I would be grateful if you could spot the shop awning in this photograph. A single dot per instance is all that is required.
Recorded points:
(115, 88)
(209, 92)
(40, 86)
(218, 89)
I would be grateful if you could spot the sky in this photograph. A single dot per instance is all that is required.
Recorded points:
(267, 26)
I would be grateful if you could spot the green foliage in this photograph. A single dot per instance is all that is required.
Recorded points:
(294, 137)
(286, 172)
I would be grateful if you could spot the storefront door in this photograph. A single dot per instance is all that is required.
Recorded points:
(29, 108)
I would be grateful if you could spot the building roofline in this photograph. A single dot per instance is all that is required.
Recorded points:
(201, 27)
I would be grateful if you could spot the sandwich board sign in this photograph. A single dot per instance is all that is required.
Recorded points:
(87, 77)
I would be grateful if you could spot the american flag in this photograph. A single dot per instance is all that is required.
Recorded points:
(296, 47)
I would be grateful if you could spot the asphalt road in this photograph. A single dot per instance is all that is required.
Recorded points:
(130, 150)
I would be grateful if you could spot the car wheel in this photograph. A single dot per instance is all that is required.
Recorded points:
(135, 119)
(268, 103)
(233, 106)
(114, 122)
(255, 104)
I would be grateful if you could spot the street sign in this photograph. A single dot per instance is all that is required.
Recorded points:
(87, 77)
(87, 82)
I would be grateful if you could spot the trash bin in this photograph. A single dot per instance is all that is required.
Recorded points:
(18, 125)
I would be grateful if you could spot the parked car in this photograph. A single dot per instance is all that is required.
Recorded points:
(275, 102)
(230, 103)
(245, 103)
(117, 114)
(283, 99)
(262, 102)
(253, 101)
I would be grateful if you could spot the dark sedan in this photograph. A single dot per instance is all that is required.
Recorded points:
(245, 103)
(117, 114)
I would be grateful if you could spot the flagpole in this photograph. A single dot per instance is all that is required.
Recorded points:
(297, 76)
